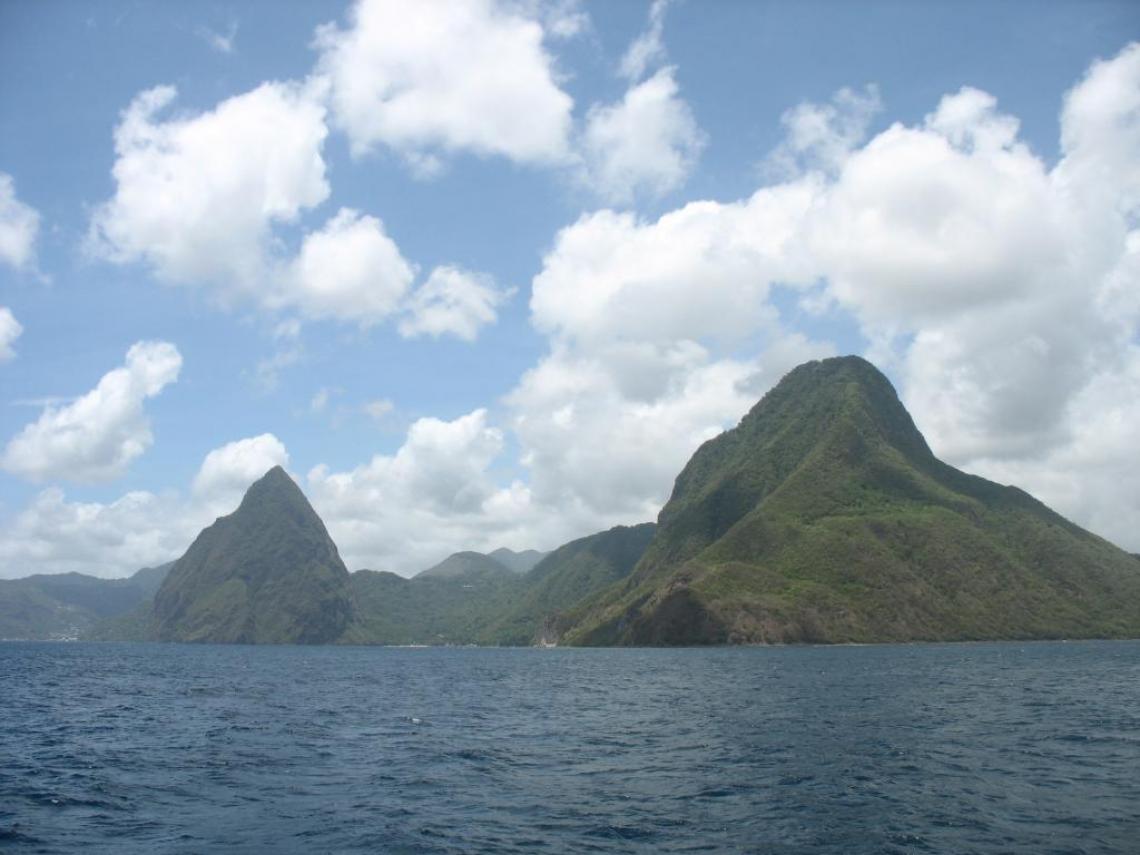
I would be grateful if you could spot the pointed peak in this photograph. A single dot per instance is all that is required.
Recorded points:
(275, 478)
(277, 486)
(277, 473)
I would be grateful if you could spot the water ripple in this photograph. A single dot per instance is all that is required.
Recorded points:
(1018, 748)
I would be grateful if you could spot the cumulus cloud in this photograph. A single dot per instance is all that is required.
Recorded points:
(606, 431)
(139, 529)
(437, 484)
(97, 436)
(647, 142)
(226, 472)
(440, 77)
(349, 270)
(196, 195)
(703, 270)
(647, 321)
(452, 302)
(199, 198)
(10, 330)
(19, 227)
(821, 136)
(1000, 290)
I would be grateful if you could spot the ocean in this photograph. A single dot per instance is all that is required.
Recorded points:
(955, 748)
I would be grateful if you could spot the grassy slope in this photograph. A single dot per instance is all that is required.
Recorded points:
(824, 517)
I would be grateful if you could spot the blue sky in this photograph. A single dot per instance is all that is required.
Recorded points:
(486, 273)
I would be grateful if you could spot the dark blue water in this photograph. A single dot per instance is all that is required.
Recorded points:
(1020, 748)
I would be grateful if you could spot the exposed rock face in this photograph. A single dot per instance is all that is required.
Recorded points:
(824, 517)
(266, 574)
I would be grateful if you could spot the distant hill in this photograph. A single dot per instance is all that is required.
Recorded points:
(463, 564)
(267, 573)
(824, 517)
(469, 598)
(564, 578)
(429, 609)
(519, 562)
(68, 605)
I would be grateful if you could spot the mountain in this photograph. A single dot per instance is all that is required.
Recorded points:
(518, 562)
(470, 598)
(68, 605)
(566, 577)
(267, 573)
(463, 564)
(429, 609)
(824, 517)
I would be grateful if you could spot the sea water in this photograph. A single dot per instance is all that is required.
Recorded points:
(1011, 747)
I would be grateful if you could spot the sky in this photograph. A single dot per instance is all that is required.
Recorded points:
(486, 273)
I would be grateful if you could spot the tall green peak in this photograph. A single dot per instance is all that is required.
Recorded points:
(824, 516)
(267, 573)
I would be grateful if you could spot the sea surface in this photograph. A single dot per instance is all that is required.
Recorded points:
(1011, 748)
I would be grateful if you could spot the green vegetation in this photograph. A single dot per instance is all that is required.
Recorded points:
(824, 517)
(451, 609)
(267, 573)
(564, 578)
(471, 599)
(463, 564)
(69, 605)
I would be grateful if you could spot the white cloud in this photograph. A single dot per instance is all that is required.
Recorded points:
(439, 77)
(198, 198)
(1002, 293)
(222, 42)
(821, 136)
(349, 270)
(648, 48)
(1008, 287)
(648, 142)
(10, 330)
(647, 320)
(922, 222)
(452, 301)
(699, 271)
(96, 437)
(140, 529)
(196, 195)
(379, 410)
(19, 227)
(605, 432)
(562, 19)
(438, 484)
(54, 535)
(227, 472)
